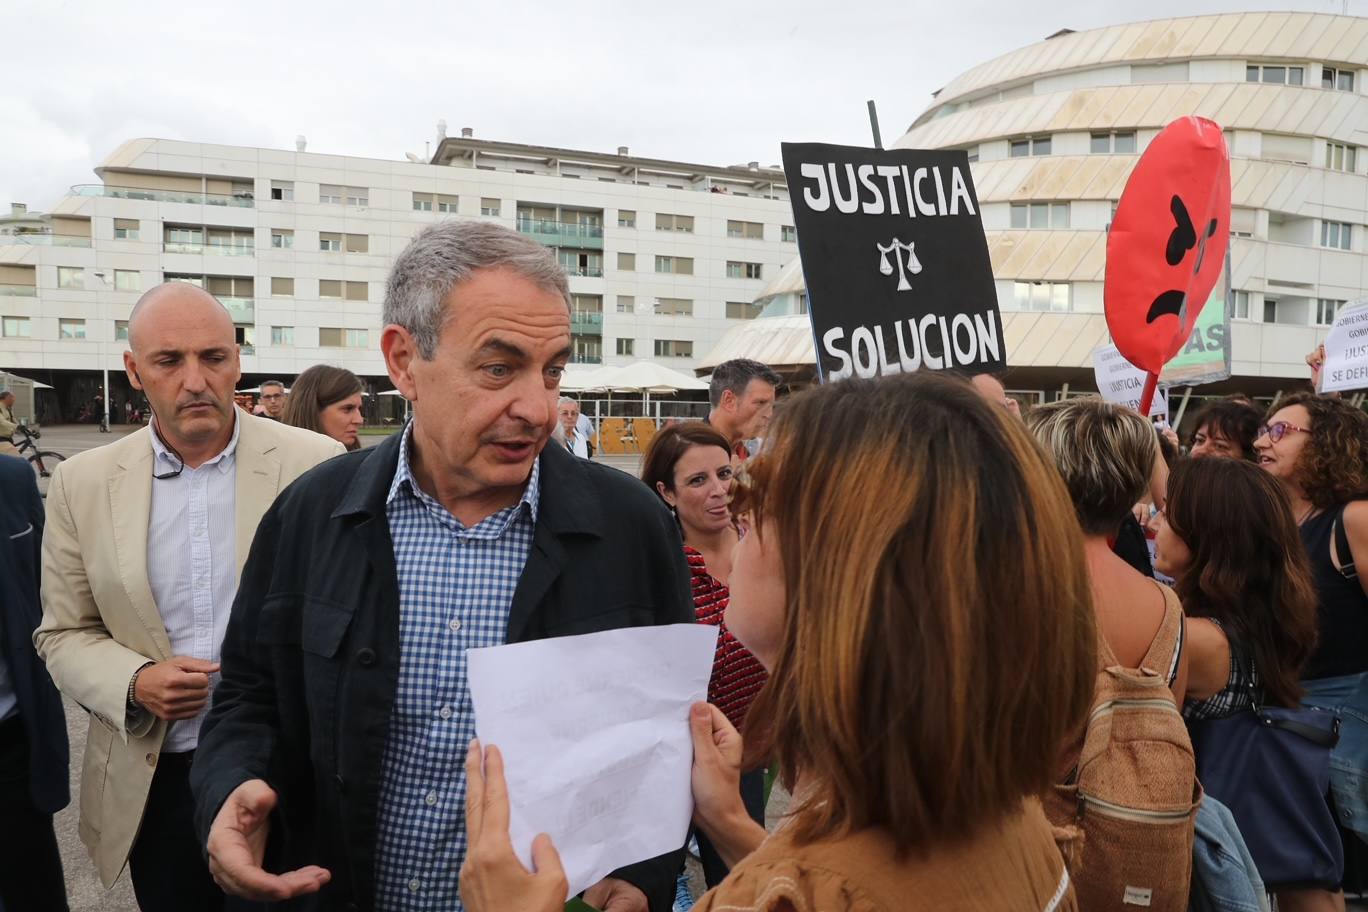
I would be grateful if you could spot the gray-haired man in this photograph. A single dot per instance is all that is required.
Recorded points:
(343, 707)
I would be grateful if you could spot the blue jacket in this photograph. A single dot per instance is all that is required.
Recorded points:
(1224, 878)
(40, 705)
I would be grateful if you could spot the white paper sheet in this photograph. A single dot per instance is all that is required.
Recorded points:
(1121, 382)
(1346, 351)
(594, 732)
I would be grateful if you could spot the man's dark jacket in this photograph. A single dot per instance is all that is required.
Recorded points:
(311, 657)
(40, 705)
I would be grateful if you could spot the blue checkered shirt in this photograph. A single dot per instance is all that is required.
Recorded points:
(455, 589)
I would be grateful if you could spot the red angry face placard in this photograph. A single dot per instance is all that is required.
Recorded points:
(1167, 244)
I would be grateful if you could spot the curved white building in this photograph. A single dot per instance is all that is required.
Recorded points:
(1055, 128)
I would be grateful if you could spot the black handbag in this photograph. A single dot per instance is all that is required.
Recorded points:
(1271, 767)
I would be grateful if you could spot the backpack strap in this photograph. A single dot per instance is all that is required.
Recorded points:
(1342, 549)
(1167, 646)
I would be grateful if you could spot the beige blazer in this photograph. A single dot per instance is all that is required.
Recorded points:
(100, 623)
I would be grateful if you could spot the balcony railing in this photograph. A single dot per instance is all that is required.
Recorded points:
(558, 234)
(593, 272)
(19, 291)
(243, 310)
(584, 358)
(45, 240)
(210, 249)
(163, 196)
(586, 322)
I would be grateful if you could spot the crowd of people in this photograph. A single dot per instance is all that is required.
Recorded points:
(940, 628)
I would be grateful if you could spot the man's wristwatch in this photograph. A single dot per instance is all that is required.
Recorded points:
(133, 703)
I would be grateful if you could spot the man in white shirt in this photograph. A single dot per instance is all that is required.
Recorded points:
(145, 542)
(576, 441)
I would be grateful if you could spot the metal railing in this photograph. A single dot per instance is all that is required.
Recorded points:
(586, 322)
(210, 248)
(592, 272)
(566, 230)
(45, 240)
(164, 196)
(243, 310)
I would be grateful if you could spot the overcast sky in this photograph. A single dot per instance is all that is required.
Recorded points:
(703, 81)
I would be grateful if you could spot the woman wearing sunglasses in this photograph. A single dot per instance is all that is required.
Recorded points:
(912, 575)
(1317, 447)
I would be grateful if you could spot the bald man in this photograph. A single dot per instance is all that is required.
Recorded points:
(145, 541)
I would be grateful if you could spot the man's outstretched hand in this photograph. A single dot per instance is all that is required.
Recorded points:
(237, 842)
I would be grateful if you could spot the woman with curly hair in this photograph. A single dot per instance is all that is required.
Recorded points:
(1317, 447)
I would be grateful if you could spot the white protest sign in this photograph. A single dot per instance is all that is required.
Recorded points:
(1121, 382)
(1346, 351)
(594, 732)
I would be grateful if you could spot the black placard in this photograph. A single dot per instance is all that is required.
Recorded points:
(895, 260)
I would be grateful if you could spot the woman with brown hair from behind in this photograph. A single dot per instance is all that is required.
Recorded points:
(912, 575)
(1228, 538)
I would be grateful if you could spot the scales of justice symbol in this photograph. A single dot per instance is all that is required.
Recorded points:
(909, 266)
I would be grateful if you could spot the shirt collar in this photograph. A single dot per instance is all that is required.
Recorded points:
(223, 461)
(403, 477)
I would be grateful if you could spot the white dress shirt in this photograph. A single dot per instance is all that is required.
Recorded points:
(192, 560)
(577, 444)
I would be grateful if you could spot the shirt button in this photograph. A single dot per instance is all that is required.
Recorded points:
(431, 798)
(415, 885)
(445, 712)
(454, 624)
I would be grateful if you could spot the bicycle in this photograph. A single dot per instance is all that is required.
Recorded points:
(36, 456)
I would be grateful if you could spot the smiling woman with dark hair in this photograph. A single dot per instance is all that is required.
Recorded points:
(914, 762)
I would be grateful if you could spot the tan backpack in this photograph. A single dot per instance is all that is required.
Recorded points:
(1124, 817)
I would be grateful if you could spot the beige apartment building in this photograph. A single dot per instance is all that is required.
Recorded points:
(663, 256)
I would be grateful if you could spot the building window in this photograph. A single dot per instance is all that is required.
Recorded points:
(336, 337)
(674, 307)
(127, 280)
(71, 329)
(356, 243)
(489, 207)
(331, 194)
(1335, 78)
(70, 277)
(358, 291)
(282, 287)
(737, 270)
(754, 231)
(17, 327)
(1333, 234)
(446, 203)
(673, 348)
(1241, 306)
(282, 238)
(674, 265)
(125, 229)
(626, 304)
(743, 310)
(627, 262)
(282, 190)
(626, 219)
(282, 335)
(973, 153)
(1040, 215)
(120, 330)
(1047, 296)
(1326, 308)
(1339, 157)
(422, 202)
(1274, 75)
(625, 347)
(1107, 143)
(788, 234)
(667, 222)
(1037, 145)
(330, 288)
(357, 196)
(329, 242)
